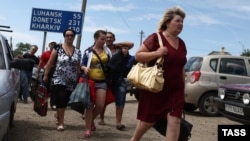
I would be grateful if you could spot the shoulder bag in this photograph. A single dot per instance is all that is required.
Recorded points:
(148, 78)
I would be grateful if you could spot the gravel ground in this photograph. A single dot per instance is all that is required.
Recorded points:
(29, 126)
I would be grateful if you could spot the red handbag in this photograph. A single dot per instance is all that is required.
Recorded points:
(109, 96)
(41, 100)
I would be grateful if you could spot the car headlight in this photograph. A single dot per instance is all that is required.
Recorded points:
(246, 98)
(221, 93)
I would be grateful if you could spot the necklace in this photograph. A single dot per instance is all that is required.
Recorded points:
(168, 34)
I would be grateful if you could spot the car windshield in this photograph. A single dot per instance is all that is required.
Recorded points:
(193, 64)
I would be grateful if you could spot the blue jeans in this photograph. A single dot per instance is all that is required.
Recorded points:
(25, 80)
(119, 90)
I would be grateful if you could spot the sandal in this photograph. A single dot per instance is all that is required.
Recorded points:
(120, 127)
(60, 128)
(87, 134)
(93, 128)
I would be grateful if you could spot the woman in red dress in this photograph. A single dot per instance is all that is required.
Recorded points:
(169, 102)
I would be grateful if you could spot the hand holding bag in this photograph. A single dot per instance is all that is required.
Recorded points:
(148, 78)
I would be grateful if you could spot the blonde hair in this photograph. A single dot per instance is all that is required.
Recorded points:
(168, 16)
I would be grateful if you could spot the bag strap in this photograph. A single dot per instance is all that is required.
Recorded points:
(102, 65)
(160, 59)
(159, 39)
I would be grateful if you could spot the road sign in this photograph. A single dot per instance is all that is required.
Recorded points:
(55, 20)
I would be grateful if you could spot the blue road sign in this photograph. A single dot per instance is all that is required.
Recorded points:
(55, 20)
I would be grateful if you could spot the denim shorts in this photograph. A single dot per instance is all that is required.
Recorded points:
(101, 85)
(119, 90)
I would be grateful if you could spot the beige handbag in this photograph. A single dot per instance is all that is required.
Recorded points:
(148, 78)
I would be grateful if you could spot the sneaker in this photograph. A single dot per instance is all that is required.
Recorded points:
(120, 127)
(25, 102)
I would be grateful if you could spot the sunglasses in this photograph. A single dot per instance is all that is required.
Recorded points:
(69, 35)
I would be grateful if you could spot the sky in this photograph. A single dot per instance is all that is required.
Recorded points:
(209, 25)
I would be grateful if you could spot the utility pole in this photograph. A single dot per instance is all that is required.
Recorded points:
(79, 37)
(141, 35)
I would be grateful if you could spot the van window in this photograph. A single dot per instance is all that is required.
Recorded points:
(193, 64)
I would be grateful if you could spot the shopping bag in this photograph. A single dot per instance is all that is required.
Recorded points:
(80, 97)
(41, 100)
(91, 87)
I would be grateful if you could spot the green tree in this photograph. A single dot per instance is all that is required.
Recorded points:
(246, 52)
(21, 48)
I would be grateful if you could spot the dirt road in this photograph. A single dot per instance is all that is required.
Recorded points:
(28, 126)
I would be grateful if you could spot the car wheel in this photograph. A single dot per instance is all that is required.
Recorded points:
(207, 105)
(6, 136)
(189, 107)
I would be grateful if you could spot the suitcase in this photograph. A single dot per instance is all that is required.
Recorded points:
(41, 100)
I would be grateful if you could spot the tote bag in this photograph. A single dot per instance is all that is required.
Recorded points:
(148, 78)
(80, 97)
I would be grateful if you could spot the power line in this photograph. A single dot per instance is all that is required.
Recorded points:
(119, 13)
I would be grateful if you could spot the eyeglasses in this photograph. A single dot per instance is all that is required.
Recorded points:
(69, 35)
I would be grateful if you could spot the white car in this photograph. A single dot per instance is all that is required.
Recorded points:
(204, 74)
(9, 87)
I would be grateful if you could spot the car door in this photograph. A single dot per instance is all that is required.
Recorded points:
(232, 70)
